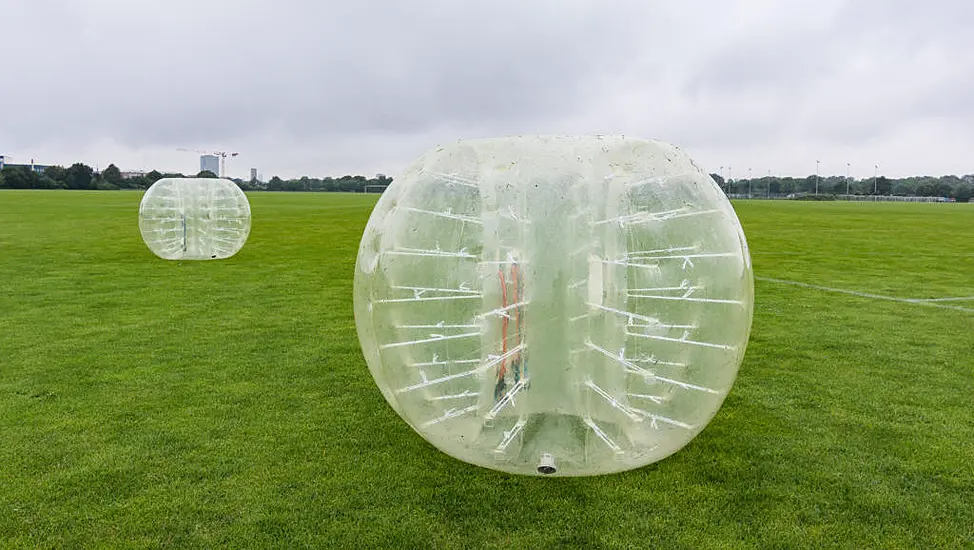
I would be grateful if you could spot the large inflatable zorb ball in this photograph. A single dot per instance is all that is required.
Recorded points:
(554, 305)
(194, 218)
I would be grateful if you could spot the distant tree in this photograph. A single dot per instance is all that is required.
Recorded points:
(963, 192)
(58, 174)
(136, 182)
(359, 184)
(20, 177)
(905, 187)
(79, 176)
(787, 186)
(354, 184)
(808, 184)
(112, 175)
(837, 187)
(883, 186)
(862, 187)
(942, 189)
(301, 184)
(275, 184)
(933, 187)
(951, 181)
(3, 184)
(46, 182)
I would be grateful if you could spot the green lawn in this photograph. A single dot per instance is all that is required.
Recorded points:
(146, 403)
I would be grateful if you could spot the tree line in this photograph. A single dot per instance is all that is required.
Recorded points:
(82, 176)
(959, 188)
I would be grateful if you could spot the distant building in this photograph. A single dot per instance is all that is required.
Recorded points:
(38, 168)
(254, 176)
(210, 163)
(129, 174)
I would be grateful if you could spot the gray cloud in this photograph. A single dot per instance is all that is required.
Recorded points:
(310, 87)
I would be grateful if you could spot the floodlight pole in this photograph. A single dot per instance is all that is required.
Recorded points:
(749, 184)
(848, 167)
(817, 178)
(875, 178)
(769, 184)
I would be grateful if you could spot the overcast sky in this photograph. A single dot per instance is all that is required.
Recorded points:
(322, 87)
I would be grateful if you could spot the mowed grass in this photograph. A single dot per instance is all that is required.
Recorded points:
(146, 403)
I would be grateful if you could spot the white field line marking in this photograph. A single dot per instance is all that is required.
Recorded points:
(922, 302)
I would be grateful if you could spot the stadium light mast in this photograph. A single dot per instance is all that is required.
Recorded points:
(817, 178)
(769, 183)
(749, 183)
(875, 178)
(848, 168)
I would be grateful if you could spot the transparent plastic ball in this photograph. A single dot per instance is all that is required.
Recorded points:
(554, 305)
(194, 218)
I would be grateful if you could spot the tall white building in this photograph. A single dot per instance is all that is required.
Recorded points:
(253, 175)
(210, 163)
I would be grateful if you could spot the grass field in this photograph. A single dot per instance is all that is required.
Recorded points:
(146, 403)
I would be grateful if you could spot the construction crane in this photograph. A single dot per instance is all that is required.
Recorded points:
(223, 158)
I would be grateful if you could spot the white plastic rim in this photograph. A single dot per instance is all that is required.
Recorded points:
(194, 218)
(560, 306)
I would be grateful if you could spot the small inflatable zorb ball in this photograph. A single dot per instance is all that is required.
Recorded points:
(194, 218)
(554, 305)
